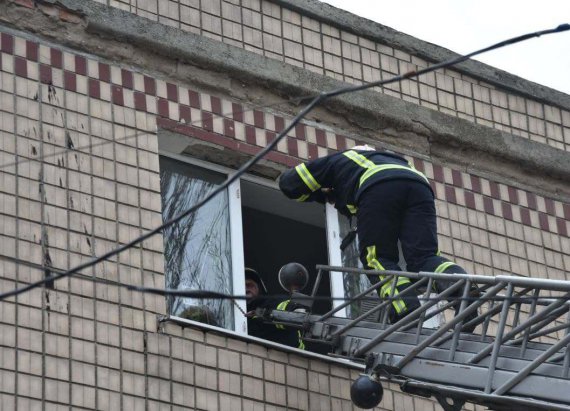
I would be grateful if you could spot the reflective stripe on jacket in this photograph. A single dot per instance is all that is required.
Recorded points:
(348, 173)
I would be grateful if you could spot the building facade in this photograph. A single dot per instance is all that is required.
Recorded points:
(117, 115)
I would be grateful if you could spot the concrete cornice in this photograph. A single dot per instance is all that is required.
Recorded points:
(154, 46)
(423, 49)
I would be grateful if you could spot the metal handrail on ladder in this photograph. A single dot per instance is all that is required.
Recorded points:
(501, 364)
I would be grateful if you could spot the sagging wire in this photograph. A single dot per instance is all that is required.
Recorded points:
(309, 107)
(206, 294)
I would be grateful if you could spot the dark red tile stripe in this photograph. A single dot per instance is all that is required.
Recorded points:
(140, 101)
(321, 138)
(292, 147)
(543, 220)
(127, 79)
(456, 177)
(149, 85)
(194, 99)
(438, 173)
(450, 194)
(313, 151)
(117, 95)
(229, 128)
(531, 199)
(45, 74)
(549, 206)
(21, 67)
(192, 131)
(525, 216)
(104, 72)
(507, 211)
(207, 121)
(488, 205)
(162, 107)
(80, 65)
(476, 184)
(470, 200)
(340, 143)
(258, 119)
(270, 136)
(566, 209)
(172, 92)
(56, 58)
(279, 124)
(216, 105)
(250, 134)
(495, 192)
(32, 50)
(7, 43)
(513, 195)
(94, 88)
(69, 81)
(300, 131)
(237, 112)
(419, 164)
(185, 114)
(561, 225)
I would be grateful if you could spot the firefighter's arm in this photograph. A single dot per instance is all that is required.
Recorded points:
(306, 182)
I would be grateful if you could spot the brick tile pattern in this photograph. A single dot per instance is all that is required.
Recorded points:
(94, 124)
(268, 29)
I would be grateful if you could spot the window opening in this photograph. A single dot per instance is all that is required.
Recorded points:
(198, 248)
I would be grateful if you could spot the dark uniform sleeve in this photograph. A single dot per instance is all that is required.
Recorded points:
(304, 182)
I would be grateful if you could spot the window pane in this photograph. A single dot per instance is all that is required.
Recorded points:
(353, 284)
(197, 249)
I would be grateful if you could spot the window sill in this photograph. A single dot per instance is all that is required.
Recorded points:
(250, 339)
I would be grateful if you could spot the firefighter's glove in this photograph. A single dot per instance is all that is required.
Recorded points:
(348, 239)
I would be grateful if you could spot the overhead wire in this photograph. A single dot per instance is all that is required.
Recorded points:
(206, 294)
(252, 161)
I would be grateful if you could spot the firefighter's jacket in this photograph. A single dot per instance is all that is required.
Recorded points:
(273, 332)
(348, 174)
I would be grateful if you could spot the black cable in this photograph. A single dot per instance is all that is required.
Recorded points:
(314, 102)
(206, 294)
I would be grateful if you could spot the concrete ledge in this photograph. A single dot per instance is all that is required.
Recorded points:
(369, 114)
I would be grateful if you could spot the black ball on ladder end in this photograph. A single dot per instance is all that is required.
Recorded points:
(293, 277)
(366, 392)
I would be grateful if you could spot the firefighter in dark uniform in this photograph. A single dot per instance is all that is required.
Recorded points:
(256, 292)
(391, 201)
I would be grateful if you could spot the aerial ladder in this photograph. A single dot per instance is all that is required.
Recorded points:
(515, 355)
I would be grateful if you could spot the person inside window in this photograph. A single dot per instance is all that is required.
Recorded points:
(256, 292)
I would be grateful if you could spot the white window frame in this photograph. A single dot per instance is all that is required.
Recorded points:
(237, 258)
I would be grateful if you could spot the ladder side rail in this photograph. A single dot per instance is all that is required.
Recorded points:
(532, 312)
(421, 320)
(487, 398)
(539, 334)
(361, 317)
(469, 310)
(541, 324)
(529, 322)
(356, 297)
(500, 331)
(522, 374)
(566, 365)
(459, 326)
(317, 282)
(409, 318)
